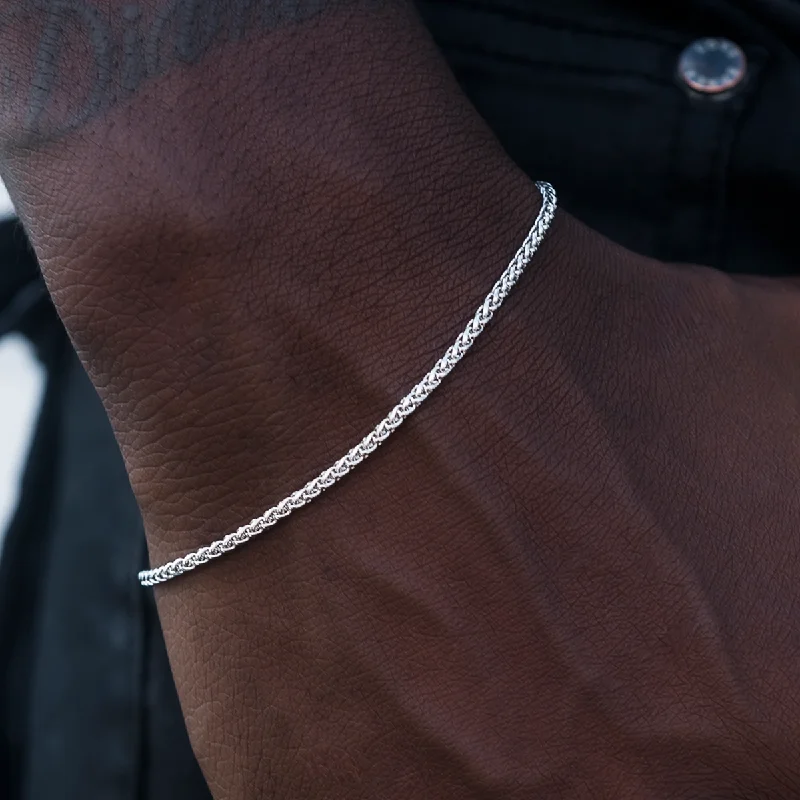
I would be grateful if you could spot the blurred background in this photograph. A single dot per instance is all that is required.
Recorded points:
(21, 382)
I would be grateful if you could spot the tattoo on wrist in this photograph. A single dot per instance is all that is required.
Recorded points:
(124, 48)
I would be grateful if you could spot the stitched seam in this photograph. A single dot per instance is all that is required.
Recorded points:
(550, 23)
(671, 178)
(736, 116)
(526, 61)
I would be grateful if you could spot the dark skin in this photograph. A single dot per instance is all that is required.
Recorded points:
(574, 574)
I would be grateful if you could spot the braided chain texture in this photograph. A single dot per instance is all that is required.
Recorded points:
(386, 427)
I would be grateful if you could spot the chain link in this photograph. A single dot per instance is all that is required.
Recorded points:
(386, 427)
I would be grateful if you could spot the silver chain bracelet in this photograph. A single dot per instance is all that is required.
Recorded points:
(387, 426)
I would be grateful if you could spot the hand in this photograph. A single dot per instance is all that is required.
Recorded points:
(574, 574)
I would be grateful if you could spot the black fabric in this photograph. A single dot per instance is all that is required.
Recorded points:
(584, 93)
(92, 605)
(17, 265)
(26, 545)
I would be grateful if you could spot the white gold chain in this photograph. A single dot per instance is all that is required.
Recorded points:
(386, 427)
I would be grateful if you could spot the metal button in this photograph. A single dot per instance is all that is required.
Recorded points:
(712, 66)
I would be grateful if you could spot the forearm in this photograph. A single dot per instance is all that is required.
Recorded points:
(195, 222)
(256, 253)
(348, 108)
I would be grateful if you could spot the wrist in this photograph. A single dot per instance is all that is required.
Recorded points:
(251, 291)
(254, 385)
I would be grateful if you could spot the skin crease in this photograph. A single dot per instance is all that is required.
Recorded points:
(575, 572)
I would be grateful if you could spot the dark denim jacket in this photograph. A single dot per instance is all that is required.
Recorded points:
(584, 93)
